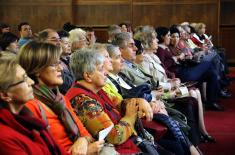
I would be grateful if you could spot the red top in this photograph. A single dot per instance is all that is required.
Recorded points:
(55, 126)
(25, 138)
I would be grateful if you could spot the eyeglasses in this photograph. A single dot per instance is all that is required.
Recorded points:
(54, 39)
(56, 64)
(25, 78)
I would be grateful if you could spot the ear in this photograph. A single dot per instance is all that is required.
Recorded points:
(87, 77)
(5, 96)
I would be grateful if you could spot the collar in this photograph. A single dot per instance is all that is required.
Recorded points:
(163, 46)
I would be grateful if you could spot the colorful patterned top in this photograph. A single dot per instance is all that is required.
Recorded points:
(97, 112)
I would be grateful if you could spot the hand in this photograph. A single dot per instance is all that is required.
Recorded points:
(181, 56)
(155, 106)
(163, 108)
(95, 147)
(131, 110)
(145, 108)
(79, 147)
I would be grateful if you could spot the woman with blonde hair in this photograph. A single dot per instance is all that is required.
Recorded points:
(21, 132)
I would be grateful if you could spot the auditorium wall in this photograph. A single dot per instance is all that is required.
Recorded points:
(101, 13)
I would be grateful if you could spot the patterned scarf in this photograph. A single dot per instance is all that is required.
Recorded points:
(55, 101)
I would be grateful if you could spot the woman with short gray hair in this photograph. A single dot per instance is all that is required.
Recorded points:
(93, 106)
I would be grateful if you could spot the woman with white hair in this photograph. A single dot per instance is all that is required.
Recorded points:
(78, 39)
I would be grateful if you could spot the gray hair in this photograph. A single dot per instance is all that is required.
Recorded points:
(120, 39)
(146, 36)
(112, 50)
(84, 60)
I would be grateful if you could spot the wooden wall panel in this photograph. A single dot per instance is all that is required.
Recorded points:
(227, 34)
(227, 28)
(168, 12)
(227, 12)
(39, 13)
(101, 12)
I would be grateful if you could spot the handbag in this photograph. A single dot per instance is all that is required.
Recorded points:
(144, 140)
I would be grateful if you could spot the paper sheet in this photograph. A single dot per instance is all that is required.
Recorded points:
(103, 133)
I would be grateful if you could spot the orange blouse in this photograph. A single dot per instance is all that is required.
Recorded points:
(56, 128)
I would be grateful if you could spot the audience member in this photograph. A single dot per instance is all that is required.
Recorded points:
(25, 33)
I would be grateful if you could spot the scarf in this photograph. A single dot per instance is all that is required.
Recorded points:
(55, 101)
(28, 125)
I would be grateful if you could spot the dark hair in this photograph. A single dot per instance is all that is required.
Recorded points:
(68, 26)
(192, 29)
(3, 25)
(139, 47)
(6, 39)
(21, 24)
(161, 32)
(174, 29)
(63, 34)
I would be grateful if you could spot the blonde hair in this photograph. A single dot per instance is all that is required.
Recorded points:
(36, 56)
(8, 67)
(199, 26)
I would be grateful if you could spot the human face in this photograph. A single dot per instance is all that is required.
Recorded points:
(21, 90)
(174, 39)
(6, 29)
(26, 31)
(202, 30)
(98, 77)
(154, 44)
(124, 28)
(14, 47)
(53, 38)
(117, 61)
(107, 61)
(66, 46)
(51, 76)
(166, 39)
(81, 43)
(91, 37)
(129, 52)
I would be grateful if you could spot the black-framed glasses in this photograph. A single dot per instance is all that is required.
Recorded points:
(25, 78)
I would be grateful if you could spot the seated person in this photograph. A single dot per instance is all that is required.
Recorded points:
(41, 63)
(8, 43)
(78, 39)
(97, 111)
(151, 64)
(133, 75)
(202, 72)
(21, 132)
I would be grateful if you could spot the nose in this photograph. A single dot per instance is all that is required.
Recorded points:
(60, 66)
(30, 81)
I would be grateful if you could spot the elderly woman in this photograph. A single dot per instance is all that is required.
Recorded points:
(41, 62)
(21, 132)
(78, 39)
(93, 106)
(8, 43)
